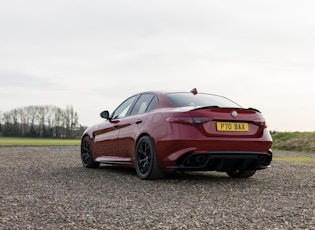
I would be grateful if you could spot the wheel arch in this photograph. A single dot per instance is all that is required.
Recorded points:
(87, 156)
(83, 136)
(142, 135)
(154, 172)
(86, 135)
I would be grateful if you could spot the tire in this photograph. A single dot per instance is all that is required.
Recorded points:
(242, 174)
(86, 154)
(146, 161)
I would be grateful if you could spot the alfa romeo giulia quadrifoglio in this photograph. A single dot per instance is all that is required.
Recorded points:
(160, 132)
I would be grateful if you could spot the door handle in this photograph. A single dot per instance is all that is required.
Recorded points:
(138, 121)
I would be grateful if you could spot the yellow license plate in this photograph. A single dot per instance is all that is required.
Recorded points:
(232, 127)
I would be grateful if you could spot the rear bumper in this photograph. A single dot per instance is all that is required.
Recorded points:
(225, 161)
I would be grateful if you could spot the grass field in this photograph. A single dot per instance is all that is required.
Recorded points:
(286, 141)
(308, 161)
(14, 141)
(294, 141)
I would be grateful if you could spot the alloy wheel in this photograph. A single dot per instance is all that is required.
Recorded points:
(144, 160)
(86, 152)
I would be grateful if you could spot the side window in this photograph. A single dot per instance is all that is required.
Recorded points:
(142, 104)
(152, 104)
(122, 110)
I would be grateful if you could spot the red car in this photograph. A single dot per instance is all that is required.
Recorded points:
(159, 132)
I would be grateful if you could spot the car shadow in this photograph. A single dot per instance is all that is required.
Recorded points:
(174, 176)
(124, 171)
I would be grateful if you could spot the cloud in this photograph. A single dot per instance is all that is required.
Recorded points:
(21, 80)
(94, 54)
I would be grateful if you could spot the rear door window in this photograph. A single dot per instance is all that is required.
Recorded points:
(145, 103)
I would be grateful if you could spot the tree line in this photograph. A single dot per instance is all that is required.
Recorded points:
(41, 121)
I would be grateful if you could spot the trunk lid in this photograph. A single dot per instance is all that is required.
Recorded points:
(229, 122)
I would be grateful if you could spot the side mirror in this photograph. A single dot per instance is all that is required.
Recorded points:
(105, 115)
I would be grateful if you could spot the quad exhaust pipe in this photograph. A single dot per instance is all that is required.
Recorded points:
(217, 161)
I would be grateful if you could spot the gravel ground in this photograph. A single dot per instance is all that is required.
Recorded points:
(47, 188)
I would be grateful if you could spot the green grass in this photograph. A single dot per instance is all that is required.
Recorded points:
(286, 141)
(294, 141)
(297, 160)
(15, 141)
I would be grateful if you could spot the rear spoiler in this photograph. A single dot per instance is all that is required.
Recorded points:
(214, 106)
(256, 110)
(206, 107)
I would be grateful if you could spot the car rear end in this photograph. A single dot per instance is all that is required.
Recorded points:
(214, 134)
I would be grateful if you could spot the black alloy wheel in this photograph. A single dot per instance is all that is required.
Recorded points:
(86, 154)
(146, 161)
(241, 174)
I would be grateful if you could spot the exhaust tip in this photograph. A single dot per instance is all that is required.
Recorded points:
(195, 160)
(264, 160)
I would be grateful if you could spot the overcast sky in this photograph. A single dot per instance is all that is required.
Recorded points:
(94, 54)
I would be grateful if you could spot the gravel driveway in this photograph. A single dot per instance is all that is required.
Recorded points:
(47, 188)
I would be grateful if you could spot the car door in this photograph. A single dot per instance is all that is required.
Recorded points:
(106, 137)
(131, 125)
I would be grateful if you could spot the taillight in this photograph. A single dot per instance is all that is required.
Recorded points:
(189, 120)
(261, 123)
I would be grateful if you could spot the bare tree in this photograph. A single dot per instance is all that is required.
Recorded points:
(40, 121)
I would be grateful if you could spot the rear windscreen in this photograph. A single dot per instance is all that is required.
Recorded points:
(189, 99)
